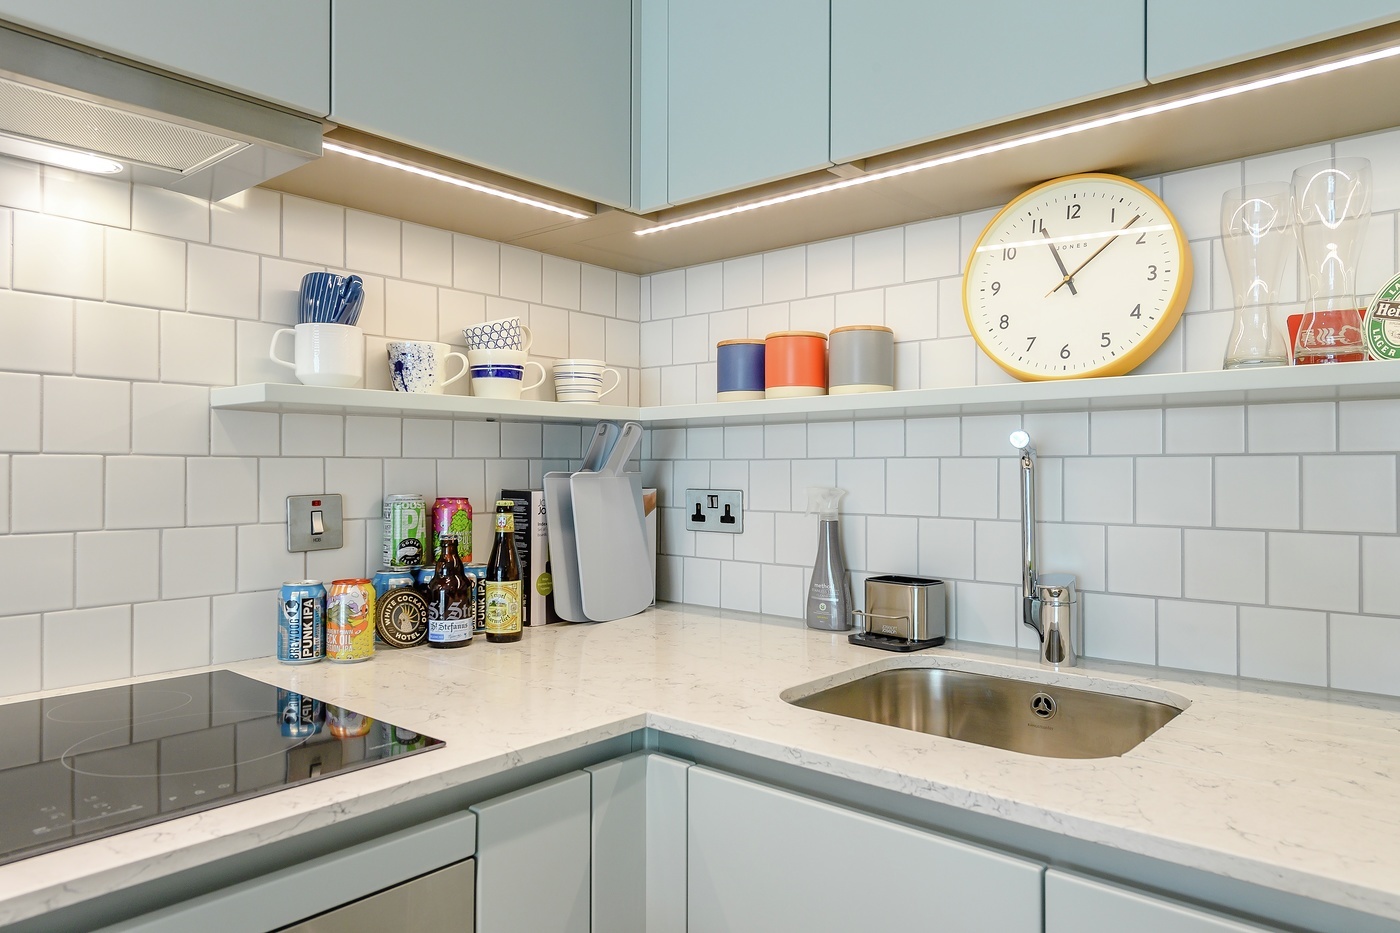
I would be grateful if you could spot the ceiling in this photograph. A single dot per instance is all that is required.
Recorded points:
(1342, 103)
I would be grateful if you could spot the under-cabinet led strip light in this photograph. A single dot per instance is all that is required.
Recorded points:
(452, 180)
(1033, 138)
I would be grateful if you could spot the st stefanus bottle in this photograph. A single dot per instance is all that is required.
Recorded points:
(503, 589)
(450, 615)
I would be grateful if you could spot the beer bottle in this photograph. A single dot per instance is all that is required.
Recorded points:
(503, 589)
(449, 616)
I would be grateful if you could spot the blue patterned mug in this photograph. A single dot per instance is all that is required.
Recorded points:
(505, 333)
(421, 366)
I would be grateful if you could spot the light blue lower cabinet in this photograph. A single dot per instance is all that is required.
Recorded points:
(1075, 904)
(441, 902)
(533, 853)
(639, 833)
(764, 859)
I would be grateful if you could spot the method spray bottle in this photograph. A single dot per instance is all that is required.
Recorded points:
(829, 597)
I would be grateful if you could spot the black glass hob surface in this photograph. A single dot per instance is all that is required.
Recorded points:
(89, 764)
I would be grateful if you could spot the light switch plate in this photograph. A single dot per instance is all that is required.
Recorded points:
(719, 510)
(315, 523)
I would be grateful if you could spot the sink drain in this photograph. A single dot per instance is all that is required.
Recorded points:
(1043, 705)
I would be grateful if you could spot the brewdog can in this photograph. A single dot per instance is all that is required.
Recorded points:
(301, 622)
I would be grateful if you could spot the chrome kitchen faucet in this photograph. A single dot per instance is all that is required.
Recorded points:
(1048, 601)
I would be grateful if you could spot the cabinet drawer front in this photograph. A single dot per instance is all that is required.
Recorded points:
(442, 902)
(1080, 905)
(766, 859)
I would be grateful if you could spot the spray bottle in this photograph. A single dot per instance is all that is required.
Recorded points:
(829, 598)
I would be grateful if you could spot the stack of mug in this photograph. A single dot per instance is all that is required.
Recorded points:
(497, 358)
(327, 348)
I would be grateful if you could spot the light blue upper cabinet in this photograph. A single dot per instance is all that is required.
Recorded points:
(747, 93)
(1185, 36)
(269, 49)
(907, 71)
(537, 89)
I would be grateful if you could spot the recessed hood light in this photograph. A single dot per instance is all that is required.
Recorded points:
(58, 155)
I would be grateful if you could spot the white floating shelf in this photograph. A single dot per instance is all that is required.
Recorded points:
(1166, 390)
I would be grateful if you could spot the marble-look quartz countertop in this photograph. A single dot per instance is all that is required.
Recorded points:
(1283, 787)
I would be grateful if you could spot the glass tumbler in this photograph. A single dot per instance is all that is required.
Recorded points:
(1256, 226)
(1332, 208)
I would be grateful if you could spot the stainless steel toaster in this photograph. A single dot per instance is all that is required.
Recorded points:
(914, 609)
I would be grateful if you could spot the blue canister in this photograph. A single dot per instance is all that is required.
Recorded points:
(301, 622)
(740, 370)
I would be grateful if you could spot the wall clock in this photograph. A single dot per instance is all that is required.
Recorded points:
(1084, 275)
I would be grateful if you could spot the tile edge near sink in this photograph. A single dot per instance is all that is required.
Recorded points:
(1076, 680)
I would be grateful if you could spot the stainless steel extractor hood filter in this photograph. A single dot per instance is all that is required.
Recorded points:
(163, 131)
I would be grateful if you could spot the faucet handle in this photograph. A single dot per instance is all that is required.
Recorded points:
(1056, 589)
(1021, 440)
(1060, 630)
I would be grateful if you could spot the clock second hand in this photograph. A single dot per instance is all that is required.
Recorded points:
(1071, 275)
(1068, 279)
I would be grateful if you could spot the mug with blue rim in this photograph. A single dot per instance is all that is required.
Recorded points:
(500, 373)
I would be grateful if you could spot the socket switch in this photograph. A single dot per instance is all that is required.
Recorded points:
(719, 510)
(314, 523)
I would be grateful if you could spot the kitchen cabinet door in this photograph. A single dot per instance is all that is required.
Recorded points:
(907, 71)
(532, 858)
(766, 859)
(268, 49)
(747, 97)
(1186, 36)
(537, 89)
(639, 817)
(1078, 905)
(436, 903)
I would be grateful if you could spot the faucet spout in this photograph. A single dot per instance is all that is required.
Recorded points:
(1022, 442)
(1048, 599)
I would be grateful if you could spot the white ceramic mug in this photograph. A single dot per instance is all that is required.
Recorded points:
(506, 333)
(421, 366)
(324, 354)
(500, 373)
(582, 381)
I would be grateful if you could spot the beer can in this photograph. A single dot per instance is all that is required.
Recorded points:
(346, 723)
(350, 621)
(301, 716)
(478, 573)
(425, 576)
(301, 622)
(406, 533)
(386, 580)
(452, 517)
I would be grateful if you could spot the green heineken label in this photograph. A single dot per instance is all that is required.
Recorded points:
(1382, 325)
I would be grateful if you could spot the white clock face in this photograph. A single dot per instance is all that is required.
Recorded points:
(1084, 276)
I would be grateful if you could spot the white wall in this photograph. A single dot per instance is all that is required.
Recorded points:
(141, 532)
(1257, 540)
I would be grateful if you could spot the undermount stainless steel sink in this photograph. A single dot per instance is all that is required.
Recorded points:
(1018, 715)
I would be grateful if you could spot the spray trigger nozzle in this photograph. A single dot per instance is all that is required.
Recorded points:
(823, 501)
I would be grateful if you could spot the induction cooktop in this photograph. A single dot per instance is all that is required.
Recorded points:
(89, 764)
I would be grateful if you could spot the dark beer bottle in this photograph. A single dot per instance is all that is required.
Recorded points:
(450, 619)
(503, 589)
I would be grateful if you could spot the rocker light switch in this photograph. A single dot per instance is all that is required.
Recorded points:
(314, 522)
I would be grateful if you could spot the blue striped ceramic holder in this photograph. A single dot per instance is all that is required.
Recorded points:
(323, 297)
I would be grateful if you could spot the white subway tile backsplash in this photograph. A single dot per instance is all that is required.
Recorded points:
(879, 258)
(372, 244)
(169, 419)
(119, 342)
(667, 294)
(1298, 427)
(1144, 560)
(892, 544)
(57, 256)
(169, 213)
(1195, 196)
(1364, 653)
(20, 185)
(86, 416)
(313, 435)
(913, 486)
(4, 494)
(145, 270)
(1371, 424)
(744, 442)
(1173, 491)
(621, 342)
(168, 636)
(243, 433)
(1380, 584)
(521, 273)
(1098, 489)
(1204, 430)
(313, 231)
(829, 267)
(425, 437)
(280, 477)
(253, 338)
(701, 581)
(87, 197)
(880, 439)
(812, 314)
(986, 613)
(20, 663)
(743, 282)
(690, 340)
(38, 592)
(223, 491)
(1204, 338)
(1349, 493)
(864, 482)
(998, 552)
(1283, 644)
(1197, 636)
(117, 567)
(831, 439)
(197, 349)
(1120, 628)
(912, 311)
(20, 415)
(629, 296)
(704, 288)
(1314, 571)
(243, 625)
(767, 319)
(456, 312)
(931, 249)
(942, 363)
(199, 561)
(427, 254)
(947, 547)
(1126, 432)
(1256, 492)
(605, 292)
(560, 283)
(55, 493)
(263, 560)
(410, 311)
(420, 476)
(678, 385)
(656, 342)
(250, 220)
(280, 290)
(86, 645)
(476, 264)
(863, 307)
(741, 587)
(382, 437)
(784, 275)
(933, 437)
(968, 488)
(783, 592)
(145, 492)
(1227, 566)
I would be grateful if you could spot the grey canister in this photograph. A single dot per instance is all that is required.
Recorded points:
(861, 359)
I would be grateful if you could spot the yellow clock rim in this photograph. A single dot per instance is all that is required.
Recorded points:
(1154, 338)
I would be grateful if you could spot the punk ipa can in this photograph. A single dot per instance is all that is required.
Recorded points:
(406, 533)
(301, 623)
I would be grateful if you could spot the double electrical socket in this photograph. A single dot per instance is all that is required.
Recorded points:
(714, 510)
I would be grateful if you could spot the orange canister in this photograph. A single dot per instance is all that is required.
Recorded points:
(794, 364)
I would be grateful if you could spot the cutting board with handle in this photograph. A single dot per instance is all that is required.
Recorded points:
(559, 507)
(610, 530)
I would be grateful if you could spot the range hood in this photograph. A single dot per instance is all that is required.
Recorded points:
(159, 130)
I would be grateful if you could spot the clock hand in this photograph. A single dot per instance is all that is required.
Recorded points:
(1059, 262)
(1068, 276)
